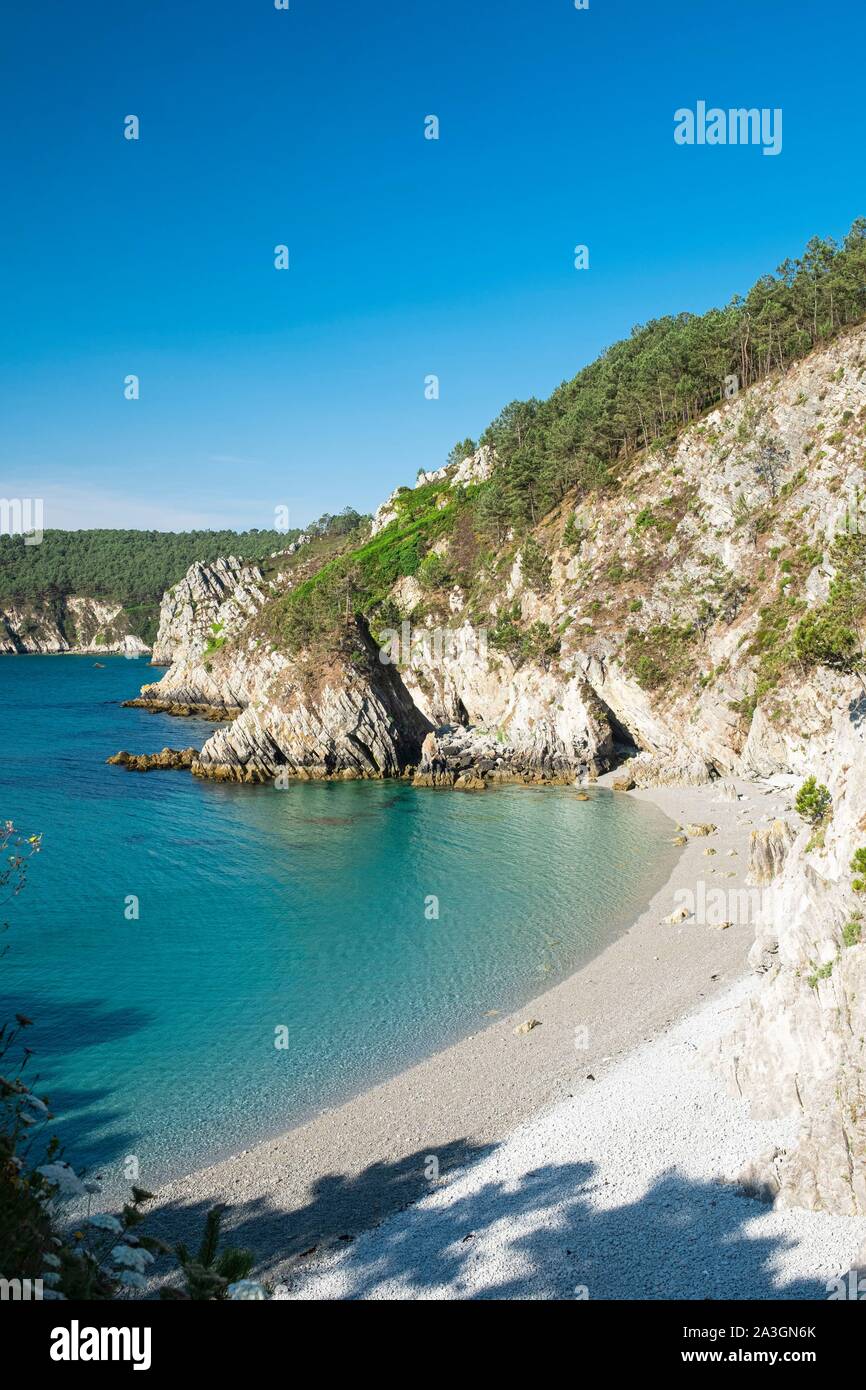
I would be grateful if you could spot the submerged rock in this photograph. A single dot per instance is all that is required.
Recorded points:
(214, 714)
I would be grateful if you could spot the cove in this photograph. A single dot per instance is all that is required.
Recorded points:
(285, 955)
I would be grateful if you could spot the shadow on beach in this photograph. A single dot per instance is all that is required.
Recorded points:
(547, 1236)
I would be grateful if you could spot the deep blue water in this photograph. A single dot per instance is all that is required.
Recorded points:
(262, 907)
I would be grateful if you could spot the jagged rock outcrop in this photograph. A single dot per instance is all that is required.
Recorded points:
(206, 607)
(469, 757)
(656, 654)
(213, 713)
(768, 850)
(75, 624)
(352, 718)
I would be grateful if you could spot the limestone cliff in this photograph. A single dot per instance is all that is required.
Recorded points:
(72, 624)
(801, 1044)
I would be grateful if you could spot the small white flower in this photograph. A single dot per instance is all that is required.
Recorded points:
(52, 1260)
(53, 1293)
(64, 1178)
(36, 1104)
(245, 1288)
(131, 1280)
(50, 1279)
(103, 1222)
(137, 1259)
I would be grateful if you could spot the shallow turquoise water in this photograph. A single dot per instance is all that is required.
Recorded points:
(261, 908)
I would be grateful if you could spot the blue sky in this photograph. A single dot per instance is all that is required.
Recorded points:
(409, 257)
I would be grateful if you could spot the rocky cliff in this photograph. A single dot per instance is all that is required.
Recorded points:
(702, 613)
(801, 1045)
(72, 624)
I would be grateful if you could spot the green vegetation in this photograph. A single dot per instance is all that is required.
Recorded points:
(828, 636)
(535, 566)
(210, 1272)
(852, 931)
(127, 566)
(316, 611)
(329, 526)
(813, 802)
(216, 639)
(573, 536)
(433, 571)
(858, 866)
(823, 972)
(660, 654)
(533, 643)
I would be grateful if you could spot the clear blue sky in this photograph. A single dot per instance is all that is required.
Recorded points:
(408, 257)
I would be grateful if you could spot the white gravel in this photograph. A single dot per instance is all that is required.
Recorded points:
(617, 1192)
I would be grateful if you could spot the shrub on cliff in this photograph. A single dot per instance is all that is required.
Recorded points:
(830, 634)
(813, 801)
(433, 571)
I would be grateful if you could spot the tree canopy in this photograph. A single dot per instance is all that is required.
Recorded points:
(131, 567)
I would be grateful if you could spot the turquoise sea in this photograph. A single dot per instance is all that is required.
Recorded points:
(307, 910)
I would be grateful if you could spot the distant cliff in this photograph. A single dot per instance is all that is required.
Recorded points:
(71, 624)
(101, 589)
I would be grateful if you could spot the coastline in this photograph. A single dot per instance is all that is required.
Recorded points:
(317, 1187)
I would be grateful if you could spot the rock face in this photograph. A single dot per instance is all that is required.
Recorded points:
(88, 626)
(474, 469)
(457, 756)
(352, 719)
(800, 1045)
(768, 849)
(210, 603)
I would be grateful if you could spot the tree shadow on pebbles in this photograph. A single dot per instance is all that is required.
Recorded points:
(549, 1235)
